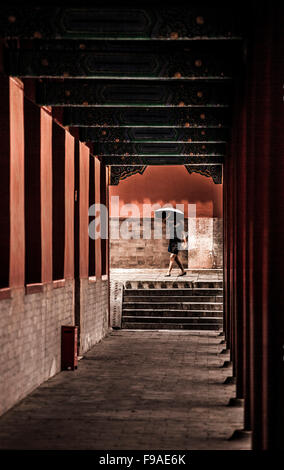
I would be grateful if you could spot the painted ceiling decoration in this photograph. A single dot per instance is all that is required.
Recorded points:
(119, 173)
(139, 85)
(106, 22)
(213, 171)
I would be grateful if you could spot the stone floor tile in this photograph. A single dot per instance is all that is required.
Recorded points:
(133, 390)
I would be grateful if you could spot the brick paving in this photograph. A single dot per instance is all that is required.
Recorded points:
(133, 390)
(144, 274)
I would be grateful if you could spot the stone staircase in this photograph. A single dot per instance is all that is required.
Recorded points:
(193, 305)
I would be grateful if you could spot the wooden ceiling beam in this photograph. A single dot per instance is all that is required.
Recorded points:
(135, 23)
(145, 60)
(153, 134)
(69, 92)
(144, 117)
(121, 160)
(164, 148)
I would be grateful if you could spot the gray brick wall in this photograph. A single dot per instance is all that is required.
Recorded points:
(94, 312)
(30, 333)
(30, 339)
(205, 248)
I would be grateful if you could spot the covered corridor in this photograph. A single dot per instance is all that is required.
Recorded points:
(91, 95)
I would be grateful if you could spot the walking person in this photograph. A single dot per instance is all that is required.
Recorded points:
(176, 232)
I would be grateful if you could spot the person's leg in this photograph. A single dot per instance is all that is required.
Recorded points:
(172, 259)
(179, 263)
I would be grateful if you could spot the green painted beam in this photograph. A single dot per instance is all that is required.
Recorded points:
(153, 134)
(132, 60)
(175, 117)
(102, 22)
(164, 148)
(155, 117)
(68, 92)
(162, 160)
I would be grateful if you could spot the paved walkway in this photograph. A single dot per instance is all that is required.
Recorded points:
(133, 390)
(159, 274)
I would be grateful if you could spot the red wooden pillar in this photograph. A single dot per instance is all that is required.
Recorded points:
(33, 247)
(81, 224)
(257, 190)
(273, 338)
(265, 171)
(84, 210)
(227, 319)
(69, 207)
(232, 229)
(17, 182)
(268, 322)
(225, 253)
(243, 183)
(12, 236)
(5, 182)
(107, 169)
(58, 201)
(92, 242)
(241, 275)
(98, 246)
(229, 242)
(104, 219)
(46, 193)
(238, 197)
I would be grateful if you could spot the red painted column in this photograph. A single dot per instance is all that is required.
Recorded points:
(233, 321)
(269, 230)
(98, 201)
(92, 242)
(257, 190)
(273, 339)
(17, 183)
(104, 202)
(238, 198)
(84, 208)
(108, 228)
(229, 242)
(58, 201)
(265, 171)
(46, 193)
(5, 182)
(242, 344)
(69, 207)
(32, 193)
(225, 252)
(250, 257)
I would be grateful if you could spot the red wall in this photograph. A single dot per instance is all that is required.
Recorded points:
(171, 184)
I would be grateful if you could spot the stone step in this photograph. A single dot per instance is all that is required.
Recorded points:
(172, 319)
(173, 305)
(165, 313)
(173, 284)
(171, 326)
(173, 298)
(173, 292)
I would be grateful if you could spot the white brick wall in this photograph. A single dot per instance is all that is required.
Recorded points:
(30, 333)
(30, 339)
(94, 313)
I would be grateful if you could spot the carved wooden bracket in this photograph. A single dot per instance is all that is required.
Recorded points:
(118, 173)
(215, 171)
